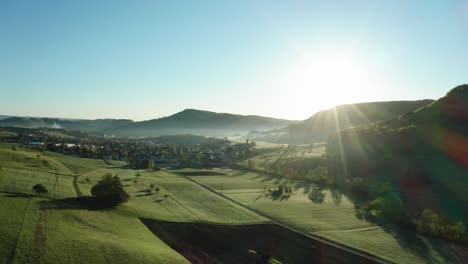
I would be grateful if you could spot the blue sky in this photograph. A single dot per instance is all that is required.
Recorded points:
(287, 59)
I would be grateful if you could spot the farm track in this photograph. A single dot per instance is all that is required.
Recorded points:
(325, 241)
(75, 185)
(75, 181)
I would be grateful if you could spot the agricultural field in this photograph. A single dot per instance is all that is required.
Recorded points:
(57, 228)
(280, 159)
(17, 222)
(177, 198)
(318, 212)
(207, 243)
(4, 133)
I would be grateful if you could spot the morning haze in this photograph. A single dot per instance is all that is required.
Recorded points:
(149, 59)
(263, 132)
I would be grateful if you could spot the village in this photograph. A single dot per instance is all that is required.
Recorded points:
(141, 153)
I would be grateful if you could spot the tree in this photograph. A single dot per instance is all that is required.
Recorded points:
(109, 191)
(250, 164)
(280, 189)
(40, 189)
(150, 165)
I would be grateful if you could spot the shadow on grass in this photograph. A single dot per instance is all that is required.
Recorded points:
(21, 195)
(146, 194)
(74, 203)
(128, 179)
(428, 248)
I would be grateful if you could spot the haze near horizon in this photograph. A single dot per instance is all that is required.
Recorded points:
(145, 59)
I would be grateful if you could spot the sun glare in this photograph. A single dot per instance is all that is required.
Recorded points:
(327, 79)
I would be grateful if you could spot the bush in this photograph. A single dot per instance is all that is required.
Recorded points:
(388, 207)
(430, 223)
(109, 191)
(357, 185)
(40, 189)
(319, 176)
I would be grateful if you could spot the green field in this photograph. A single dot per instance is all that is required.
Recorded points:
(278, 160)
(40, 229)
(185, 201)
(7, 133)
(333, 218)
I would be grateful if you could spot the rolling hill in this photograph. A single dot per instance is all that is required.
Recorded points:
(189, 121)
(318, 127)
(91, 126)
(198, 122)
(422, 155)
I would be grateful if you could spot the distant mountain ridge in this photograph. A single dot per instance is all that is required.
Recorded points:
(188, 121)
(200, 122)
(91, 126)
(321, 125)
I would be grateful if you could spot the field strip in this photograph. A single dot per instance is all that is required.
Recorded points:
(11, 258)
(184, 207)
(368, 228)
(312, 236)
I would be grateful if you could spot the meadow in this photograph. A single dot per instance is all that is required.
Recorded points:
(331, 215)
(55, 228)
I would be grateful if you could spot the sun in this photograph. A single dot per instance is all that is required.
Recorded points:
(327, 79)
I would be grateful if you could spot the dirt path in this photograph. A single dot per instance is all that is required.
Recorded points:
(75, 185)
(40, 237)
(285, 225)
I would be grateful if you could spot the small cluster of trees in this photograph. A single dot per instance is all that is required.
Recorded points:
(109, 191)
(281, 190)
(40, 189)
(318, 175)
(152, 187)
(430, 223)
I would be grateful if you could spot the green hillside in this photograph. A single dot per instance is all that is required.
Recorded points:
(418, 161)
(198, 122)
(91, 126)
(321, 125)
(57, 228)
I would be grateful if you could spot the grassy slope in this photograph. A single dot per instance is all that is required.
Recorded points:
(77, 165)
(269, 161)
(330, 219)
(21, 169)
(17, 217)
(7, 133)
(186, 200)
(77, 235)
(73, 235)
(81, 236)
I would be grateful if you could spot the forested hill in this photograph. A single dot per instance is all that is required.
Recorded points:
(319, 126)
(421, 158)
(91, 126)
(189, 121)
(200, 122)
